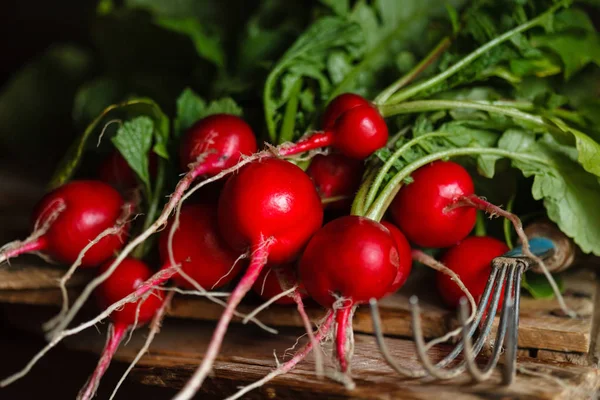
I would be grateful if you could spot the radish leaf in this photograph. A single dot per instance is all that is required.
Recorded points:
(134, 140)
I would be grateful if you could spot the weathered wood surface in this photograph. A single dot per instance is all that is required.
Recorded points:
(542, 325)
(247, 355)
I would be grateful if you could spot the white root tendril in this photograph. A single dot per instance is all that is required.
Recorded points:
(431, 262)
(192, 292)
(267, 303)
(237, 260)
(493, 210)
(114, 230)
(155, 326)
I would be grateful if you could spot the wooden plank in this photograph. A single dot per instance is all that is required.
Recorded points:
(541, 324)
(247, 356)
(38, 275)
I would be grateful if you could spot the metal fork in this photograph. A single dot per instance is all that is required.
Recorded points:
(507, 271)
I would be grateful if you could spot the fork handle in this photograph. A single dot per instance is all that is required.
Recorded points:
(565, 250)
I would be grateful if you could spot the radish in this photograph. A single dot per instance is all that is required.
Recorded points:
(340, 105)
(337, 179)
(272, 208)
(421, 208)
(356, 130)
(199, 248)
(349, 261)
(404, 253)
(124, 280)
(72, 217)
(471, 261)
(269, 286)
(115, 171)
(212, 145)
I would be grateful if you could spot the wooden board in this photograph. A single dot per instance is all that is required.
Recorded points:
(542, 325)
(247, 355)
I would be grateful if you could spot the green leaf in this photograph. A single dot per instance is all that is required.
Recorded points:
(538, 287)
(191, 108)
(122, 111)
(208, 47)
(307, 59)
(339, 7)
(93, 97)
(570, 194)
(134, 140)
(588, 150)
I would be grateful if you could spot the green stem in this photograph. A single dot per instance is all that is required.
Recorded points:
(491, 107)
(269, 111)
(358, 205)
(507, 225)
(480, 224)
(442, 76)
(383, 171)
(153, 203)
(289, 118)
(413, 73)
(377, 210)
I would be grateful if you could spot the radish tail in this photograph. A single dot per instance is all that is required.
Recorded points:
(116, 335)
(289, 365)
(342, 319)
(258, 261)
(319, 369)
(17, 248)
(154, 329)
(314, 141)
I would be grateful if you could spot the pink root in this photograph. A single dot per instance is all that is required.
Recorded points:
(314, 141)
(297, 358)
(258, 261)
(116, 336)
(17, 248)
(342, 319)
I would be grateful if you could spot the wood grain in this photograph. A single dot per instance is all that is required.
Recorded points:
(247, 355)
(542, 326)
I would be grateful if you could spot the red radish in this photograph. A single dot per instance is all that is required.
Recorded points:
(471, 261)
(69, 218)
(352, 258)
(268, 284)
(357, 132)
(115, 171)
(336, 175)
(423, 209)
(220, 140)
(340, 105)
(198, 247)
(125, 280)
(272, 208)
(404, 252)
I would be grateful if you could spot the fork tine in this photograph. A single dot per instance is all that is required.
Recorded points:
(510, 355)
(481, 375)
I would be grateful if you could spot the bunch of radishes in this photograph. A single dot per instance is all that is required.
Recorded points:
(269, 211)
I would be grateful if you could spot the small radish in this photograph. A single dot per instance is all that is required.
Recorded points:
(340, 105)
(197, 245)
(423, 209)
(349, 261)
(336, 175)
(115, 171)
(217, 142)
(273, 208)
(358, 130)
(69, 218)
(268, 284)
(125, 280)
(471, 261)
(404, 252)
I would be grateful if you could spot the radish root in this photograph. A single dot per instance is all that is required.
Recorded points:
(259, 259)
(322, 332)
(154, 330)
(495, 211)
(431, 262)
(267, 303)
(115, 334)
